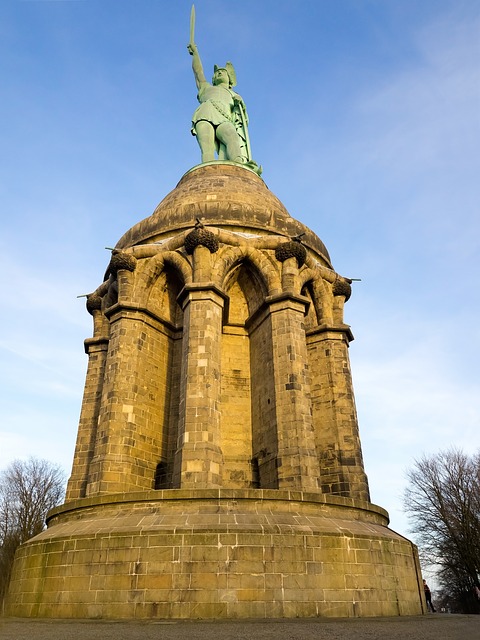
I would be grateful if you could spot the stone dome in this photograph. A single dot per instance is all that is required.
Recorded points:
(223, 195)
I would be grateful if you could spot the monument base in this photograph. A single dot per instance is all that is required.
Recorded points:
(216, 553)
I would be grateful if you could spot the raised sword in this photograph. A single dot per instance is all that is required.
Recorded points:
(192, 25)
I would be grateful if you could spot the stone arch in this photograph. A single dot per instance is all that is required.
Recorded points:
(163, 296)
(159, 280)
(258, 261)
(323, 296)
(246, 290)
(314, 287)
(311, 316)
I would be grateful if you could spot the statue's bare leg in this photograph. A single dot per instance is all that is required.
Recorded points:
(227, 134)
(206, 139)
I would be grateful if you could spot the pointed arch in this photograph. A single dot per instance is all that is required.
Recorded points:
(314, 286)
(259, 263)
(157, 263)
(149, 270)
(311, 317)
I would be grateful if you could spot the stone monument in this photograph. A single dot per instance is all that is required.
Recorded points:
(218, 468)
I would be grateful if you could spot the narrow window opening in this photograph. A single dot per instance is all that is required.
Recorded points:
(160, 481)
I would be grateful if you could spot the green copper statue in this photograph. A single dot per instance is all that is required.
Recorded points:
(220, 123)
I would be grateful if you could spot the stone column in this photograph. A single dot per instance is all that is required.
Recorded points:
(198, 459)
(96, 349)
(134, 407)
(334, 413)
(297, 462)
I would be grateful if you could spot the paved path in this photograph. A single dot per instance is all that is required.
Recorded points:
(429, 627)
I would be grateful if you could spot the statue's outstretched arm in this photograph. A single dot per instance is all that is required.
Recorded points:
(196, 64)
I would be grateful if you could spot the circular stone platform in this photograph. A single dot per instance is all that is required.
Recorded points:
(216, 554)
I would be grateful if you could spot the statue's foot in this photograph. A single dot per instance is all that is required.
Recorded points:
(251, 164)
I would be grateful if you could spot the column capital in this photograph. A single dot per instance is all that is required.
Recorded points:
(288, 299)
(202, 291)
(275, 303)
(331, 332)
(131, 310)
(95, 344)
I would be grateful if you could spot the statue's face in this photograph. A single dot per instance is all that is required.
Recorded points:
(221, 77)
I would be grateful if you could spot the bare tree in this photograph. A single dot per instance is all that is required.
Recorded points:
(28, 490)
(442, 500)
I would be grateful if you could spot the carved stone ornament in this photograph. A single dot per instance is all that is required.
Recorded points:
(201, 236)
(122, 260)
(291, 249)
(341, 287)
(94, 302)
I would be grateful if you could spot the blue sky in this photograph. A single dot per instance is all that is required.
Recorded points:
(365, 117)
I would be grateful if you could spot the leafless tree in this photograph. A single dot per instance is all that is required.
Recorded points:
(442, 500)
(28, 490)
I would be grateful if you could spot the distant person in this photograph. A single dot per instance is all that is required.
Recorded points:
(428, 597)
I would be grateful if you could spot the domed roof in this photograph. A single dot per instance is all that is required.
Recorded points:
(224, 195)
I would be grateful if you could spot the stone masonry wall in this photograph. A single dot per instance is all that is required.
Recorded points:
(236, 417)
(238, 556)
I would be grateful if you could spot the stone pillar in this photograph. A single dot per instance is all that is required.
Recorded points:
(297, 462)
(135, 403)
(96, 349)
(334, 413)
(198, 459)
